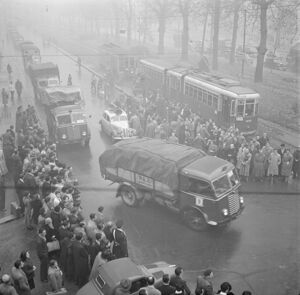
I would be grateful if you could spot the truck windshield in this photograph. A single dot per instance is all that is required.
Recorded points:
(118, 118)
(225, 183)
(63, 120)
(78, 118)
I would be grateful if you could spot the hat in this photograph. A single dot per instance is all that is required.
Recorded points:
(125, 284)
(119, 223)
(48, 220)
(5, 278)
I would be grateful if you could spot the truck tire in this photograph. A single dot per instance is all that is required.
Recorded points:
(128, 196)
(194, 219)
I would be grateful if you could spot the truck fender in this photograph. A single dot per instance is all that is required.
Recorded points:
(137, 192)
(197, 209)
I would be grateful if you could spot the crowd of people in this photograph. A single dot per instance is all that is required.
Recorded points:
(254, 157)
(49, 200)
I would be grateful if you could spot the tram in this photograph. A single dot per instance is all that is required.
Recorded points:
(213, 96)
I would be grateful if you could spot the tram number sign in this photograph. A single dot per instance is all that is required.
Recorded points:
(199, 201)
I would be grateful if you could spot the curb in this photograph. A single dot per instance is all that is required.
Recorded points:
(7, 219)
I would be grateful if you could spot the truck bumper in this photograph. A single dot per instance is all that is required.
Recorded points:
(227, 219)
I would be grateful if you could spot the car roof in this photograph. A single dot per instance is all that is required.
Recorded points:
(113, 112)
(208, 168)
(116, 270)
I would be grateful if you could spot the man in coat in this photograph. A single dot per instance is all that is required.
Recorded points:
(29, 182)
(6, 287)
(81, 261)
(120, 241)
(19, 88)
(165, 288)
(177, 282)
(42, 253)
(19, 279)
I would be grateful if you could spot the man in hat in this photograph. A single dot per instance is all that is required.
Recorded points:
(120, 241)
(6, 287)
(177, 282)
(281, 152)
(204, 284)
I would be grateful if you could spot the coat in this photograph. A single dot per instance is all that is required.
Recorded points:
(65, 245)
(55, 278)
(274, 161)
(81, 262)
(245, 166)
(177, 281)
(20, 281)
(120, 243)
(7, 289)
(166, 289)
(41, 248)
(29, 272)
(259, 168)
(287, 164)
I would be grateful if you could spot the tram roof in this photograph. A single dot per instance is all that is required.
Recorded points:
(157, 63)
(220, 84)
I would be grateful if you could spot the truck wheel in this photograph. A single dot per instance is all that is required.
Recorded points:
(194, 219)
(128, 196)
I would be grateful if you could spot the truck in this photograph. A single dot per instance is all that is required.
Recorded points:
(66, 118)
(203, 189)
(110, 274)
(43, 75)
(31, 54)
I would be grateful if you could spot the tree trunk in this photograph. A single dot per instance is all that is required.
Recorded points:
(185, 36)
(234, 32)
(161, 32)
(216, 34)
(262, 48)
(129, 22)
(204, 33)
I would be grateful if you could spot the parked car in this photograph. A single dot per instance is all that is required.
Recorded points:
(110, 274)
(114, 123)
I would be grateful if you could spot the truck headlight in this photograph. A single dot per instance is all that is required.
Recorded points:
(83, 133)
(225, 212)
(242, 200)
(64, 136)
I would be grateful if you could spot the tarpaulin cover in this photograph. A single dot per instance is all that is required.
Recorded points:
(150, 157)
(61, 95)
(43, 70)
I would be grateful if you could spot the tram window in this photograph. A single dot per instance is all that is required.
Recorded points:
(256, 109)
(199, 95)
(232, 110)
(249, 110)
(205, 97)
(240, 108)
(215, 102)
(195, 92)
(209, 99)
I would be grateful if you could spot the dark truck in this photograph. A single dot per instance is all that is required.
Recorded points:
(203, 189)
(66, 118)
(31, 54)
(43, 75)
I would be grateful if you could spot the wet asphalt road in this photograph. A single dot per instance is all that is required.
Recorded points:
(259, 251)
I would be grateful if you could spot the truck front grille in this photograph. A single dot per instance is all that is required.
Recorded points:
(234, 203)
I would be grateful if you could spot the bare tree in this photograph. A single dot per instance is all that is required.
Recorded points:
(160, 8)
(262, 47)
(217, 12)
(185, 10)
(236, 11)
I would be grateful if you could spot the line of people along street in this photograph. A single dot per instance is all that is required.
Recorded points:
(254, 157)
(67, 245)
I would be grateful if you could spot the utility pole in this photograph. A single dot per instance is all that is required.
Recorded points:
(244, 43)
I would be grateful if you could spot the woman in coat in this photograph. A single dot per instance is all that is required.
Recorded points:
(245, 165)
(28, 268)
(274, 161)
(27, 211)
(259, 166)
(287, 164)
(19, 279)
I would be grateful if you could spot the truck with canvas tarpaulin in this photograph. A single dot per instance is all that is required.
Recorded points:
(203, 189)
(43, 75)
(31, 54)
(66, 118)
